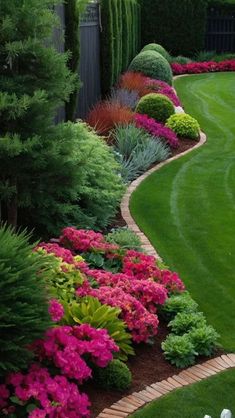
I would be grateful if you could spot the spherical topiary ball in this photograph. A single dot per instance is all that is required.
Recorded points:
(115, 376)
(156, 106)
(184, 125)
(157, 48)
(152, 64)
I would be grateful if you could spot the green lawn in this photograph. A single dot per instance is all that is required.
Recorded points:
(187, 209)
(209, 397)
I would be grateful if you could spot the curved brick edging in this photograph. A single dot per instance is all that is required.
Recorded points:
(129, 404)
(125, 211)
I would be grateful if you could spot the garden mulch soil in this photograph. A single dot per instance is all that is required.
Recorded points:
(147, 366)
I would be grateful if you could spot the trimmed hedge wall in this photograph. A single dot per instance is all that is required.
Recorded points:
(120, 38)
(178, 25)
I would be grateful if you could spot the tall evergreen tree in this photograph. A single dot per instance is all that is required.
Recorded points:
(34, 82)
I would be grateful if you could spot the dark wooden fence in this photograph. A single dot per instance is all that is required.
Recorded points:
(89, 71)
(220, 32)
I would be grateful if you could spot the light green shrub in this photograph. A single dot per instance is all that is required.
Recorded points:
(157, 48)
(156, 106)
(115, 376)
(184, 125)
(179, 350)
(125, 238)
(204, 339)
(178, 303)
(152, 64)
(185, 321)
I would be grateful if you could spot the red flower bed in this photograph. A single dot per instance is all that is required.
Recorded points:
(203, 67)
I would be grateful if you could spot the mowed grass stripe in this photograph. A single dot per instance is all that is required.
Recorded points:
(187, 209)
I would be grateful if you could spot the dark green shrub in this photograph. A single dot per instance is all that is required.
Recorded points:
(124, 237)
(96, 186)
(157, 48)
(156, 106)
(115, 376)
(23, 306)
(185, 321)
(178, 303)
(184, 125)
(179, 25)
(204, 339)
(179, 350)
(152, 64)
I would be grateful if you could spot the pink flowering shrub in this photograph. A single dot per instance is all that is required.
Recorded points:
(65, 347)
(203, 67)
(52, 248)
(52, 396)
(56, 310)
(141, 323)
(156, 129)
(161, 87)
(85, 240)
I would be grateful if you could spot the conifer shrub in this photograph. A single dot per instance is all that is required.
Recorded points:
(157, 48)
(115, 376)
(94, 189)
(184, 125)
(23, 305)
(152, 64)
(156, 106)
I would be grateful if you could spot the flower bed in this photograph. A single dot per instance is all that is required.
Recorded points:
(203, 67)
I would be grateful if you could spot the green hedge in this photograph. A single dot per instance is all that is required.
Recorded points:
(120, 38)
(178, 25)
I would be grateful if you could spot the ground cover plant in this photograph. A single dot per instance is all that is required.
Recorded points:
(195, 201)
(184, 402)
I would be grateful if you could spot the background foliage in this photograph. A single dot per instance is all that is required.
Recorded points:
(178, 25)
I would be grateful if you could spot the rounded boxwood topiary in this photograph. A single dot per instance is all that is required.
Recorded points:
(180, 60)
(156, 106)
(157, 48)
(115, 376)
(152, 64)
(184, 125)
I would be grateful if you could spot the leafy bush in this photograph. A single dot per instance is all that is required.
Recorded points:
(23, 306)
(105, 115)
(158, 86)
(125, 238)
(125, 97)
(156, 129)
(204, 339)
(156, 106)
(136, 150)
(178, 303)
(157, 48)
(115, 376)
(181, 60)
(90, 311)
(184, 125)
(185, 321)
(203, 67)
(152, 64)
(179, 350)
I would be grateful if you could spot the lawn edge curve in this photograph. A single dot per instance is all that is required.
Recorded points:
(127, 405)
(125, 203)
